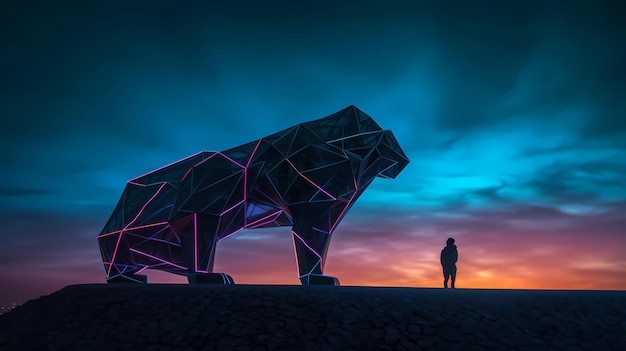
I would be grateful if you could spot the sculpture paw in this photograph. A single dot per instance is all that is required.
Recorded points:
(128, 278)
(210, 278)
(319, 280)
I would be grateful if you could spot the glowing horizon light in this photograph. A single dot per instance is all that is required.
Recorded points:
(296, 179)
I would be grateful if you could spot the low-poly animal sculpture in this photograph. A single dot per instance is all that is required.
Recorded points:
(307, 177)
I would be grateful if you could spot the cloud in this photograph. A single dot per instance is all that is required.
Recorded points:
(7, 191)
(41, 253)
(588, 182)
(516, 246)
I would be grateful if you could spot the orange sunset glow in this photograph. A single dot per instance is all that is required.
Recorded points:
(373, 249)
(517, 259)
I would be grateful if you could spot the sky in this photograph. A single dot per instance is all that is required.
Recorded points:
(512, 114)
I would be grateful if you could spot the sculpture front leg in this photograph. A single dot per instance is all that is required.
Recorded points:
(311, 246)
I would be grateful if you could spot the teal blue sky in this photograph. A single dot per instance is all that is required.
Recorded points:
(512, 111)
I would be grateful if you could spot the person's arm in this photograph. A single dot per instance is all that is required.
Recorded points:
(456, 256)
(441, 257)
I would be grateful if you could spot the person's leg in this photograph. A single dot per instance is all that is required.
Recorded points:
(446, 275)
(453, 277)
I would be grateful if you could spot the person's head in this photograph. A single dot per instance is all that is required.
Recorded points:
(450, 241)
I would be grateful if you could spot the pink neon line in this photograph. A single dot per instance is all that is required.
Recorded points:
(307, 245)
(264, 223)
(141, 270)
(258, 143)
(160, 168)
(152, 238)
(245, 181)
(133, 221)
(187, 173)
(144, 206)
(156, 258)
(253, 152)
(108, 234)
(115, 252)
(203, 161)
(137, 184)
(231, 160)
(261, 219)
(272, 215)
(146, 226)
(235, 205)
(195, 241)
(341, 214)
(195, 244)
(245, 195)
(309, 180)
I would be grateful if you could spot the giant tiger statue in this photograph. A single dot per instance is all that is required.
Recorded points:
(307, 177)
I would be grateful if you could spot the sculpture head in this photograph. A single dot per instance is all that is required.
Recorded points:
(376, 150)
(393, 159)
(363, 140)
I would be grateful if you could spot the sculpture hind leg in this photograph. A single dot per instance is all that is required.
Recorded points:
(198, 235)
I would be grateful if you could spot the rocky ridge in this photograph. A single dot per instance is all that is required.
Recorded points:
(260, 317)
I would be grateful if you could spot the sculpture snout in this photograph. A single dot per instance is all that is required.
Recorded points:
(393, 159)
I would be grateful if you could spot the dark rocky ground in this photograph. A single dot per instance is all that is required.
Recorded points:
(258, 317)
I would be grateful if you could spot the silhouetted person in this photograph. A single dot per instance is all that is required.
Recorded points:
(449, 256)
